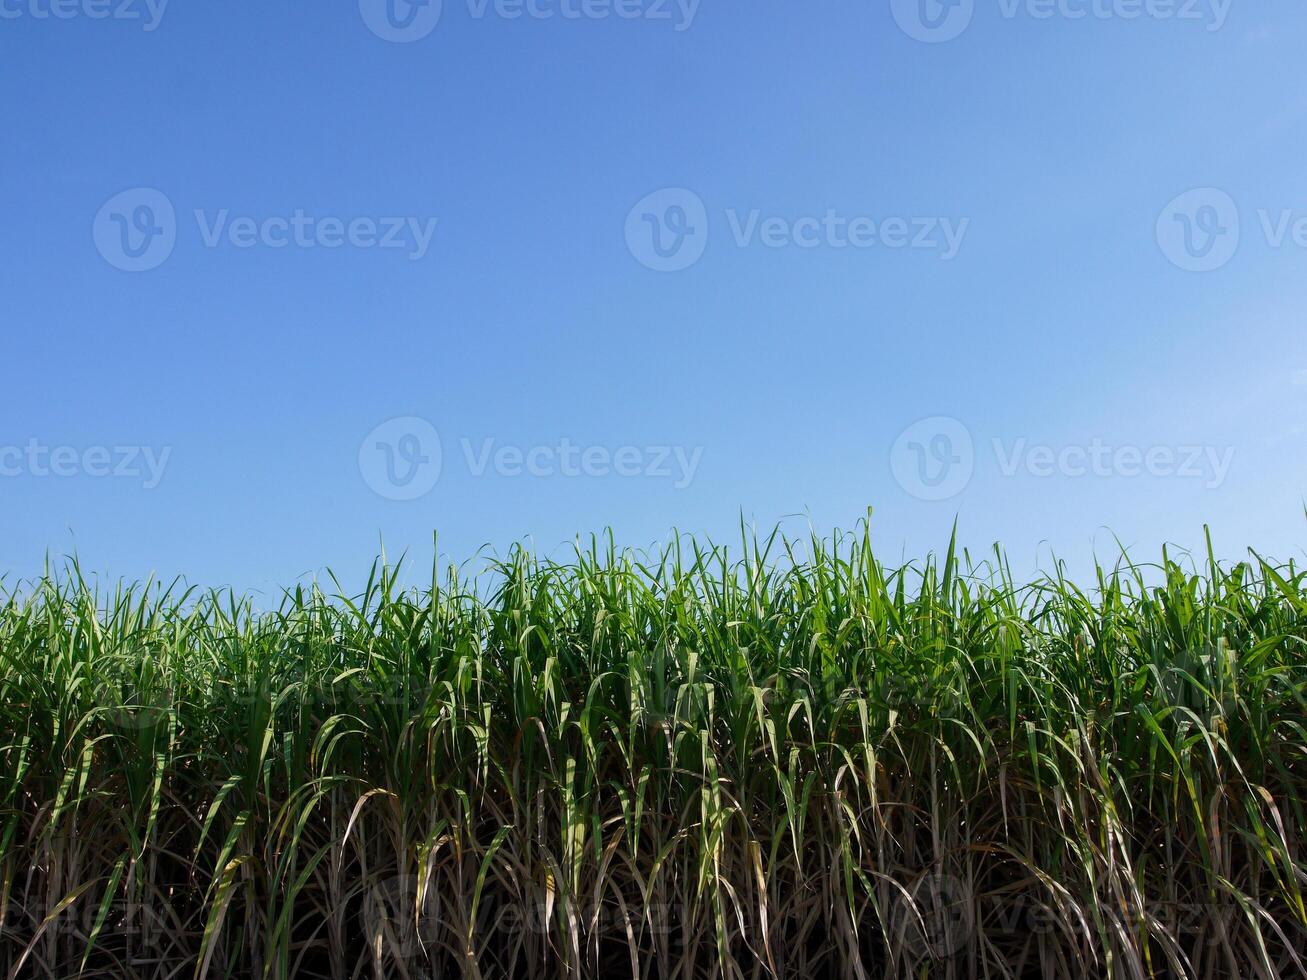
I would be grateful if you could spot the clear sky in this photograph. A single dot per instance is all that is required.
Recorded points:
(282, 280)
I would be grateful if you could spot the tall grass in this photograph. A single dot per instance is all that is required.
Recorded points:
(794, 762)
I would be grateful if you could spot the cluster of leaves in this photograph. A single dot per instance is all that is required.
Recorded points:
(795, 762)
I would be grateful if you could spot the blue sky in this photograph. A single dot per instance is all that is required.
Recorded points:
(282, 281)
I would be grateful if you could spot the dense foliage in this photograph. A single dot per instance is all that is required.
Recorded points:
(798, 763)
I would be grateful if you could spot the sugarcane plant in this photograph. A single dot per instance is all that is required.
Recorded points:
(781, 759)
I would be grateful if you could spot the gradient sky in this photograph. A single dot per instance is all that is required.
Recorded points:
(1109, 345)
